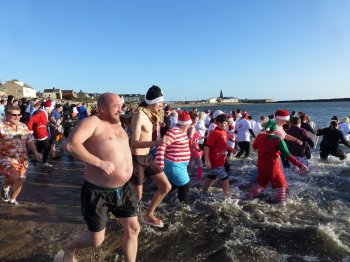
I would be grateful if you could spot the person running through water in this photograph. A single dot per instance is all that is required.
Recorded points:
(330, 142)
(174, 155)
(103, 145)
(145, 126)
(269, 148)
(215, 155)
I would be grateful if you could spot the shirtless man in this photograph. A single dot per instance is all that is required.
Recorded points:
(144, 136)
(101, 142)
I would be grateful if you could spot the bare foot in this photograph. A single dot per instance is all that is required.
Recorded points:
(68, 255)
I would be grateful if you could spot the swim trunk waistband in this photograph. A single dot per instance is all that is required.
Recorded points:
(92, 186)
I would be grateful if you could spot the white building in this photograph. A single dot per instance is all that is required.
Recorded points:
(19, 89)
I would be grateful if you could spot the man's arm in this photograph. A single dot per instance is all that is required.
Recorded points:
(75, 145)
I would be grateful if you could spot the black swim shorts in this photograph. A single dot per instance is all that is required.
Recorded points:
(144, 166)
(97, 201)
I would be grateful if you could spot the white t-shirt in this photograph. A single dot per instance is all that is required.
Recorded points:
(345, 129)
(242, 130)
(200, 126)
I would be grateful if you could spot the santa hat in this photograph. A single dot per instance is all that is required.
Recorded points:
(245, 115)
(217, 113)
(47, 103)
(154, 95)
(282, 115)
(183, 118)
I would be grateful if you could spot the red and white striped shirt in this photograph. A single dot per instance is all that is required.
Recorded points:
(176, 147)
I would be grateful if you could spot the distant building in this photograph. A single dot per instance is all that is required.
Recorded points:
(229, 100)
(83, 96)
(133, 98)
(53, 93)
(213, 100)
(18, 89)
(69, 94)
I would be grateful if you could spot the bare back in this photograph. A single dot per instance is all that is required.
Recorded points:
(107, 142)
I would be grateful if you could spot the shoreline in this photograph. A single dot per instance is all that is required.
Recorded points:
(207, 104)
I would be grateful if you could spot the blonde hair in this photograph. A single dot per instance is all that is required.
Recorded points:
(202, 116)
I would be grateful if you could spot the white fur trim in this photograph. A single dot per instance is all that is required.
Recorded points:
(188, 122)
(282, 118)
(156, 100)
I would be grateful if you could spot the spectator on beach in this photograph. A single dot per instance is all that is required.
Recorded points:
(38, 124)
(3, 104)
(83, 112)
(145, 126)
(269, 148)
(55, 128)
(108, 168)
(174, 155)
(14, 138)
(215, 156)
(332, 136)
(297, 150)
(10, 99)
(70, 121)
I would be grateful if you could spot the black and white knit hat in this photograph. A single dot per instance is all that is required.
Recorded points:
(154, 95)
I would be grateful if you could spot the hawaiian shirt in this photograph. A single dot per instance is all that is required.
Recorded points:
(13, 146)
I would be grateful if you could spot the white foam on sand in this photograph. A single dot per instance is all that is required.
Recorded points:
(59, 257)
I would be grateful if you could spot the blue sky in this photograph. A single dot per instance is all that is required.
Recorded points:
(289, 49)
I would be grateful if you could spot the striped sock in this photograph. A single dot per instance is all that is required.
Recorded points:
(281, 194)
(255, 190)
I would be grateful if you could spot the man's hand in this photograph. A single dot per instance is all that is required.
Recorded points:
(107, 167)
(303, 170)
(207, 164)
(139, 192)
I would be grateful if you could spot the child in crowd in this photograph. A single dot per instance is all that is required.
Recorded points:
(196, 151)
(215, 155)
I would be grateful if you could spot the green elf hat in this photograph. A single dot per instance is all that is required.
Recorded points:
(270, 126)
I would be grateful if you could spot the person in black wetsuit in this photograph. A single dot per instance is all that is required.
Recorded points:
(330, 142)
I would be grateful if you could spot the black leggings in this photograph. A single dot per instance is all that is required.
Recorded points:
(44, 147)
(244, 147)
(182, 192)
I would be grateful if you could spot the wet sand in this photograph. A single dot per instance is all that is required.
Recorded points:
(50, 217)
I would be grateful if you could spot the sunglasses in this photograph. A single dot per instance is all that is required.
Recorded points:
(15, 114)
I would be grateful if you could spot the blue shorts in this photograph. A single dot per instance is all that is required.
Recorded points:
(176, 172)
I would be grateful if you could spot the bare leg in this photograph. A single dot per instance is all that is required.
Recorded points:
(131, 228)
(16, 188)
(83, 240)
(226, 187)
(164, 187)
(208, 182)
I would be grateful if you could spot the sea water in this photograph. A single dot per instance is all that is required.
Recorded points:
(312, 225)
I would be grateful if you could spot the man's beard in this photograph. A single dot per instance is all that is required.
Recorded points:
(114, 119)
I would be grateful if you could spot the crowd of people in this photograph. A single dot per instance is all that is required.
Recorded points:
(121, 147)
